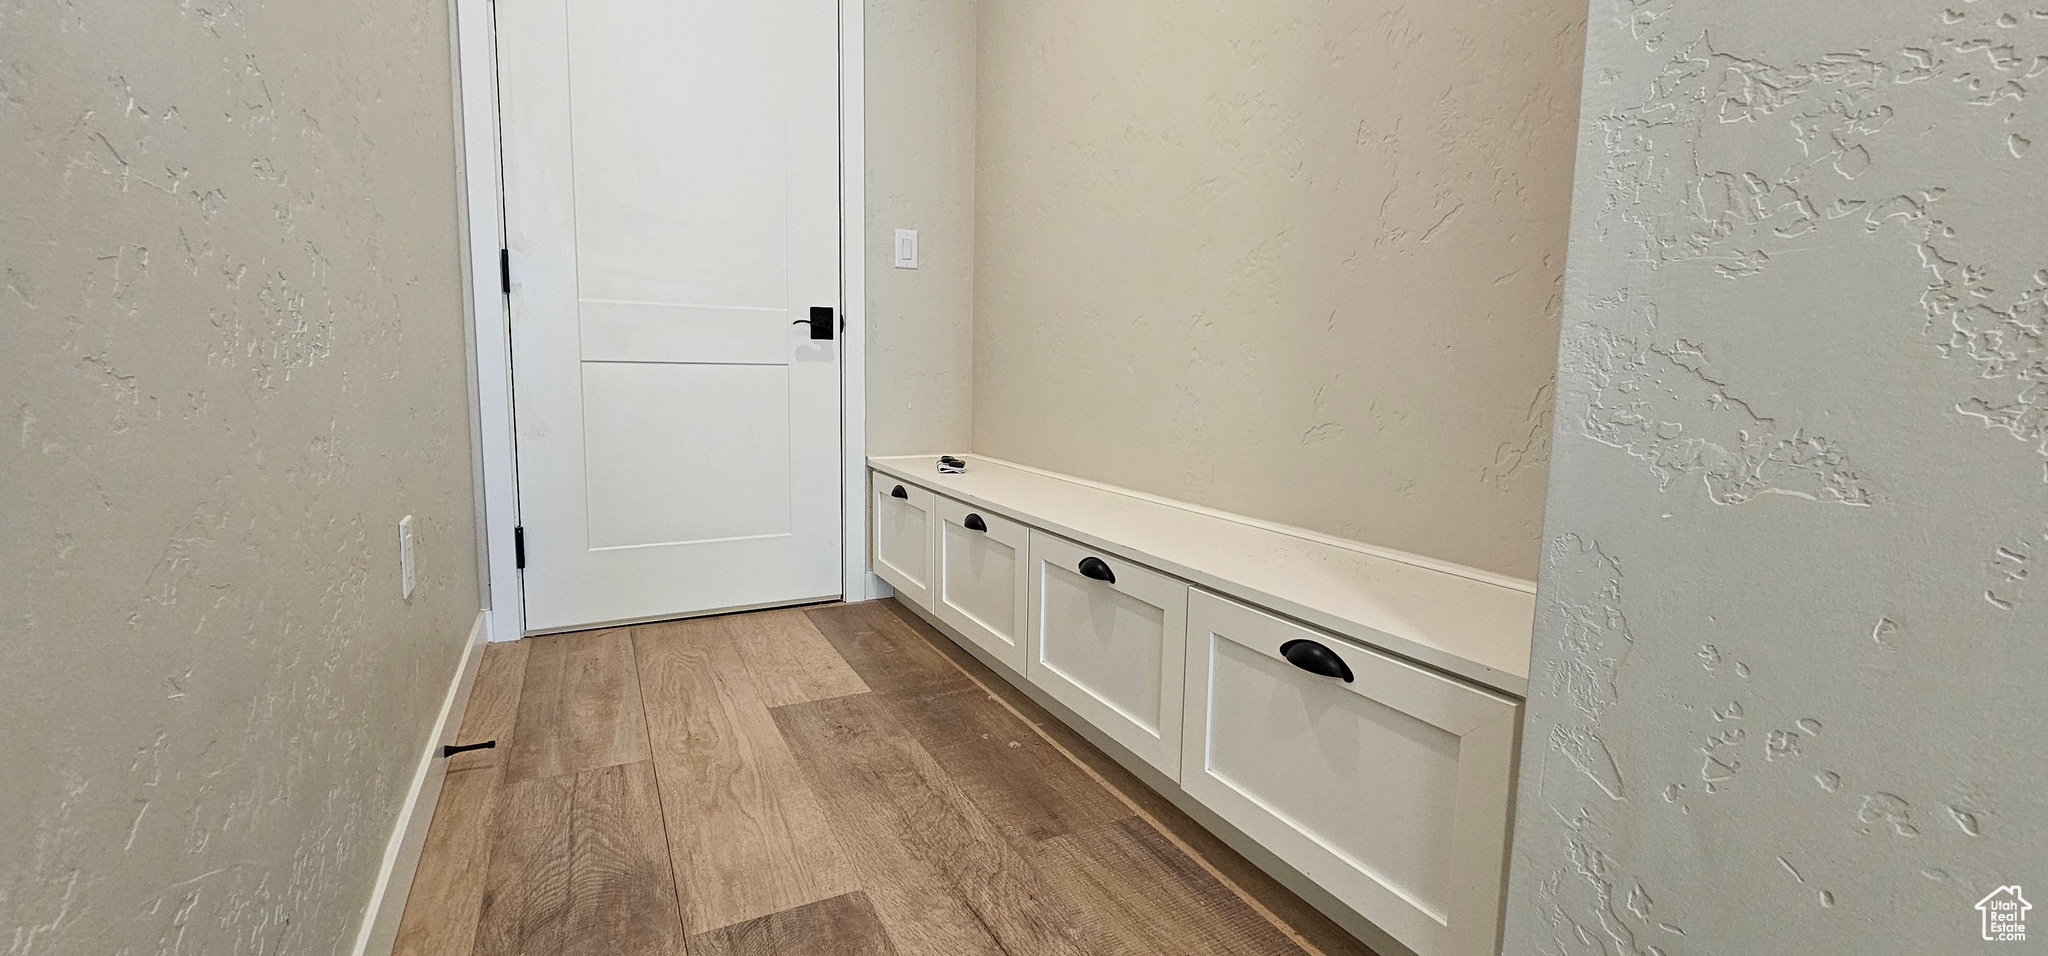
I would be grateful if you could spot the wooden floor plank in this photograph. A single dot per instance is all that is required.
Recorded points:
(621, 891)
(1149, 899)
(790, 661)
(841, 926)
(1025, 785)
(493, 709)
(579, 867)
(579, 706)
(942, 813)
(526, 892)
(924, 850)
(446, 898)
(1021, 782)
(869, 637)
(1319, 931)
(746, 834)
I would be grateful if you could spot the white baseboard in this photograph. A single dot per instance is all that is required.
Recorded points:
(402, 854)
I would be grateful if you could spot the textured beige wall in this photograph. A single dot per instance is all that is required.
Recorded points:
(1791, 613)
(231, 357)
(1292, 259)
(920, 175)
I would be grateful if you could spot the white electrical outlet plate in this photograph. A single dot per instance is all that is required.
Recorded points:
(405, 574)
(906, 248)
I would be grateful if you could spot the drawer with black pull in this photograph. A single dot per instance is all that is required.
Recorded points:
(903, 537)
(981, 581)
(1387, 783)
(1106, 638)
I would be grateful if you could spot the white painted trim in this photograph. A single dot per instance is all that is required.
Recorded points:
(858, 583)
(491, 330)
(1405, 557)
(409, 835)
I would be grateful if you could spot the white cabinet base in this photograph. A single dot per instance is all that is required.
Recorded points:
(982, 584)
(1391, 789)
(1111, 648)
(1377, 788)
(1375, 939)
(903, 537)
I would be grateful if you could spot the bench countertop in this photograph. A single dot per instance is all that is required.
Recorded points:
(1466, 623)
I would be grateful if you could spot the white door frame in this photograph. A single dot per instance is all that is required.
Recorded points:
(491, 330)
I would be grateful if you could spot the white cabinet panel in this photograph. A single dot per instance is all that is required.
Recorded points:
(1390, 788)
(903, 537)
(981, 585)
(1106, 638)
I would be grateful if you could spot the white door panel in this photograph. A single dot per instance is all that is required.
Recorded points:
(668, 101)
(667, 332)
(661, 472)
(671, 211)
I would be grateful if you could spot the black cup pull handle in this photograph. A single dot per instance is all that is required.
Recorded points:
(1094, 567)
(974, 523)
(1316, 659)
(900, 493)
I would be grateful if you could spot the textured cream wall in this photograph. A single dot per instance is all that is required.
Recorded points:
(231, 357)
(1292, 259)
(1787, 688)
(920, 175)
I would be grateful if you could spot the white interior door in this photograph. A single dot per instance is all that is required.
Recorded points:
(671, 217)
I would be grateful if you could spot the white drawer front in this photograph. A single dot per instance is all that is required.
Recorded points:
(1110, 650)
(903, 537)
(1391, 790)
(982, 587)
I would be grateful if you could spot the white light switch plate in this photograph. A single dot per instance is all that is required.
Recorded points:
(405, 555)
(906, 248)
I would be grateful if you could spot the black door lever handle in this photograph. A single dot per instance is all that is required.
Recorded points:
(820, 322)
(1094, 567)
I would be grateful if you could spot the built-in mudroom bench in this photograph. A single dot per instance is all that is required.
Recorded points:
(1346, 716)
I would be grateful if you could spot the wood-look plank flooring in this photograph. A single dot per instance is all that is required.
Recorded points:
(746, 835)
(837, 781)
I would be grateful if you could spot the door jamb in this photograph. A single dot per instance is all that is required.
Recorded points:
(482, 210)
(857, 582)
(489, 311)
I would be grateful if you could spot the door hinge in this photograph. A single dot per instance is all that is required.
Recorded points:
(505, 271)
(519, 547)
